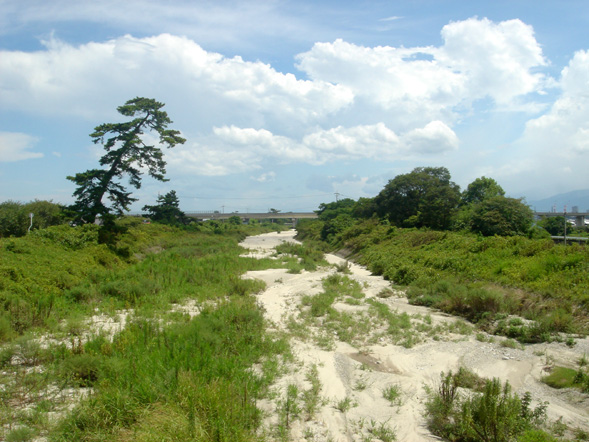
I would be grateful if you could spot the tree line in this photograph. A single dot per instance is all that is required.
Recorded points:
(428, 198)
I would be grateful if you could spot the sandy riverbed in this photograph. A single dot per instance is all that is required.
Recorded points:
(383, 364)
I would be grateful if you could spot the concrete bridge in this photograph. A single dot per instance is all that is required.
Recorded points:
(579, 216)
(247, 216)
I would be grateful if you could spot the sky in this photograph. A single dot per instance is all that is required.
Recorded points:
(290, 104)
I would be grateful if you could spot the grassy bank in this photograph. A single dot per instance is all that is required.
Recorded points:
(484, 279)
(166, 374)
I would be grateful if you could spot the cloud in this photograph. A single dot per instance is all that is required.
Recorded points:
(435, 137)
(478, 59)
(16, 146)
(353, 103)
(242, 149)
(552, 154)
(564, 130)
(265, 177)
(495, 59)
(87, 79)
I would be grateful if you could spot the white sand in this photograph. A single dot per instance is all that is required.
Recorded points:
(343, 369)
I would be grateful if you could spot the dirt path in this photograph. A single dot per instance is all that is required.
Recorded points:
(360, 374)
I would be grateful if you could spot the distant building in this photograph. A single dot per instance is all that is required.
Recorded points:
(575, 209)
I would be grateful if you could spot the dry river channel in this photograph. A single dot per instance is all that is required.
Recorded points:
(354, 374)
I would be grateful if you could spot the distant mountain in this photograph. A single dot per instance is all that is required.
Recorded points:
(578, 198)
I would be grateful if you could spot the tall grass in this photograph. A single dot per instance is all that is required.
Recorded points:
(61, 271)
(477, 277)
(196, 376)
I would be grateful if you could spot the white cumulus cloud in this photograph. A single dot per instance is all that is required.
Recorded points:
(16, 146)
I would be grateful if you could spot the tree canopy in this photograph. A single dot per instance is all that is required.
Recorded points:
(425, 197)
(501, 216)
(481, 189)
(15, 220)
(331, 210)
(167, 210)
(127, 153)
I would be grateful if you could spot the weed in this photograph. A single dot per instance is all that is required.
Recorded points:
(288, 410)
(382, 431)
(496, 414)
(345, 404)
(344, 268)
(509, 343)
(311, 397)
(385, 293)
(392, 393)
(22, 434)
(361, 383)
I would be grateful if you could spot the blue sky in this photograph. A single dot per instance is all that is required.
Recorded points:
(286, 103)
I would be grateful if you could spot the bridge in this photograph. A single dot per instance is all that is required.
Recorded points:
(201, 216)
(580, 217)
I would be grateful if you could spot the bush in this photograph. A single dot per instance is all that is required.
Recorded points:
(14, 220)
(495, 415)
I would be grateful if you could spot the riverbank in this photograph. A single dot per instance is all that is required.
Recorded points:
(357, 371)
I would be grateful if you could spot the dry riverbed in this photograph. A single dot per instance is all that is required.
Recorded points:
(353, 375)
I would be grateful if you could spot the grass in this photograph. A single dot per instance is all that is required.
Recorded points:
(392, 393)
(494, 414)
(476, 277)
(192, 375)
(344, 405)
(562, 377)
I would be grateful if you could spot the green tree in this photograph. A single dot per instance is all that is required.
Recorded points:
(554, 225)
(481, 189)
(127, 152)
(333, 226)
(14, 220)
(426, 197)
(235, 220)
(167, 210)
(331, 210)
(364, 208)
(45, 213)
(501, 216)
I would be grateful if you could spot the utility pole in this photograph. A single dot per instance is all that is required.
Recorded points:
(336, 196)
(565, 223)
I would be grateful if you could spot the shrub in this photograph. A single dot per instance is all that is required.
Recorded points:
(495, 415)
(14, 220)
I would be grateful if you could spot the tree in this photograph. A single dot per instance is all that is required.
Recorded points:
(14, 220)
(481, 189)
(167, 210)
(553, 225)
(423, 198)
(331, 210)
(364, 208)
(46, 213)
(127, 153)
(501, 216)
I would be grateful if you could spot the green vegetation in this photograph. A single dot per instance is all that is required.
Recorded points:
(167, 210)
(481, 278)
(493, 415)
(426, 197)
(162, 370)
(15, 217)
(565, 377)
(126, 153)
